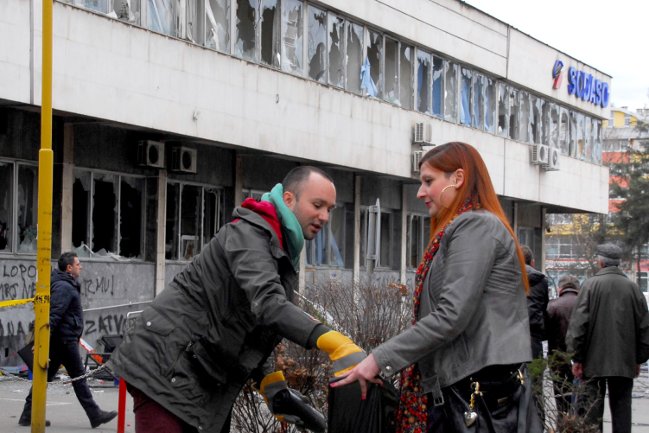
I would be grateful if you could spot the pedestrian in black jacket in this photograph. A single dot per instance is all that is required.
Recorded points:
(537, 302)
(66, 327)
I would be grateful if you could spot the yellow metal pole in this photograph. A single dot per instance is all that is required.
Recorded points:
(44, 239)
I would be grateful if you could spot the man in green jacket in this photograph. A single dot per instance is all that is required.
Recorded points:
(190, 353)
(609, 336)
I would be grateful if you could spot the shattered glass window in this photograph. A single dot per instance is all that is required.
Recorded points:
(587, 152)
(6, 205)
(245, 39)
(450, 91)
(95, 5)
(465, 96)
(217, 15)
(438, 87)
(194, 215)
(354, 56)
(526, 118)
(108, 214)
(317, 44)
(336, 50)
(27, 214)
(503, 110)
(424, 87)
(514, 113)
(564, 131)
(580, 138)
(536, 124)
(406, 66)
(391, 71)
(490, 105)
(292, 36)
(597, 141)
(270, 33)
(194, 30)
(127, 10)
(478, 110)
(550, 124)
(161, 16)
(373, 84)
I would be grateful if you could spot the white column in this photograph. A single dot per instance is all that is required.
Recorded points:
(160, 232)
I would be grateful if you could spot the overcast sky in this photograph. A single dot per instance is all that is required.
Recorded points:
(610, 36)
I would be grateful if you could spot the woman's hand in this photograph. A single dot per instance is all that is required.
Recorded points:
(366, 371)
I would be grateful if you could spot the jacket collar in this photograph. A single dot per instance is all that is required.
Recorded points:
(610, 270)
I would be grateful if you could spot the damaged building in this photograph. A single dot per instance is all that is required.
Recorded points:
(168, 113)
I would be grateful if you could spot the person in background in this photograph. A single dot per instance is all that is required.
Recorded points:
(537, 302)
(470, 316)
(66, 327)
(557, 320)
(608, 335)
(192, 350)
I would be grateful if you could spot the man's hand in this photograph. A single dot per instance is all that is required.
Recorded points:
(366, 371)
(342, 351)
(578, 370)
(289, 405)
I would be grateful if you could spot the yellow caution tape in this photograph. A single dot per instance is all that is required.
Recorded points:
(15, 302)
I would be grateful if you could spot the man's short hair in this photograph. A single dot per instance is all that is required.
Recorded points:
(609, 253)
(295, 178)
(528, 255)
(66, 259)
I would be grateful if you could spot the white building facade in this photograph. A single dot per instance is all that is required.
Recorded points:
(167, 113)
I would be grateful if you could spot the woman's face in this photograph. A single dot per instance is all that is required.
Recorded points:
(437, 189)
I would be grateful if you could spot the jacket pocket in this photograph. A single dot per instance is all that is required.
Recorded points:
(205, 364)
(156, 323)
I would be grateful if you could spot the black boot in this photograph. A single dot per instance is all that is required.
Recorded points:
(102, 417)
(26, 419)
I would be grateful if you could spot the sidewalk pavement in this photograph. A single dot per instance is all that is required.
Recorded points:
(67, 416)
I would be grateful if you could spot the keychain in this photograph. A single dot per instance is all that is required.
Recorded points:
(470, 416)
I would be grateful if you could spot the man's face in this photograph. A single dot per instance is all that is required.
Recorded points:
(313, 203)
(75, 268)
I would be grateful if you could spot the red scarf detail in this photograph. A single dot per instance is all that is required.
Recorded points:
(412, 412)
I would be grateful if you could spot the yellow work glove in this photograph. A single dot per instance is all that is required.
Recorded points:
(342, 351)
(289, 405)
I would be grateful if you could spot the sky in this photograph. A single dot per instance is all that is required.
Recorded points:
(610, 36)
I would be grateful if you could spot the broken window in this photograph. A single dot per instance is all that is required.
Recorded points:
(292, 36)
(597, 141)
(503, 110)
(465, 96)
(245, 45)
(450, 91)
(512, 95)
(336, 50)
(127, 10)
(550, 124)
(354, 56)
(18, 207)
(217, 15)
(417, 238)
(317, 44)
(423, 81)
(536, 122)
(161, 16)
(327, 248)
(438, 86)
(478, 110)
(406, 66)
(391, 71)
(585, 149)
(490, 105)
(108, 213)
(194, 215)
(525, 118)
(574, 134)
(270, 33)
(95, 5)
(194, 30)
(372, 84)
(564, 131)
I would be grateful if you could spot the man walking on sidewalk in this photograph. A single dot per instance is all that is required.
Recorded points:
(66, 326)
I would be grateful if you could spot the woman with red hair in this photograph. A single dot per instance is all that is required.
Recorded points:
(462, 361)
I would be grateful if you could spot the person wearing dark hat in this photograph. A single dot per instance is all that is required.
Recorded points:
(608, 335)
(556, 324)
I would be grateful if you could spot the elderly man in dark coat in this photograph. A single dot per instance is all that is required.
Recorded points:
(609, 335)
(556, 323)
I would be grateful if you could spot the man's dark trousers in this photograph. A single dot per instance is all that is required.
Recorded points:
(619, 396)
(68, 355)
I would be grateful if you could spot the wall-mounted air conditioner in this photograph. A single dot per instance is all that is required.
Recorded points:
(416, 157)
(183, 159)
(553, 160)
(151, 153)
(422, 133)
(540, 153)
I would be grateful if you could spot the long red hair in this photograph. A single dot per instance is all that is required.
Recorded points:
(477, 186)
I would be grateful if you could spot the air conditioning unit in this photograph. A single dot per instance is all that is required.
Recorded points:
(416, 157)
(183, 159)
(553, 160)
(151, 153)
(540, 153)
(422, 133)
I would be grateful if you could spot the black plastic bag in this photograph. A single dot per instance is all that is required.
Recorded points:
(376, 414)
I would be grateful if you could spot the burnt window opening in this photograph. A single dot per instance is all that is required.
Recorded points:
(336, 38)
(245, 40)
(108, 214)
(374, 59)
(355, 35)
(18, 207)
(423, 100)
(513, 112)
(503, 110)
(194, 215)
(317, 43)
(292, 36)
(270, 33)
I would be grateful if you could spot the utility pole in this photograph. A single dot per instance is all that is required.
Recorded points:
(44, 239)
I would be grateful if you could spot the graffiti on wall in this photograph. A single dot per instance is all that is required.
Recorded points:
(17, 281)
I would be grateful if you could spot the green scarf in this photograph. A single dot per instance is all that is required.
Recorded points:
(292, 228)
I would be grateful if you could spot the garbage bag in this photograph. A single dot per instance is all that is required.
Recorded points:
(376, 414)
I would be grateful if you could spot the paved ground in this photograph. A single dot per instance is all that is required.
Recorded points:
(66, 415)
